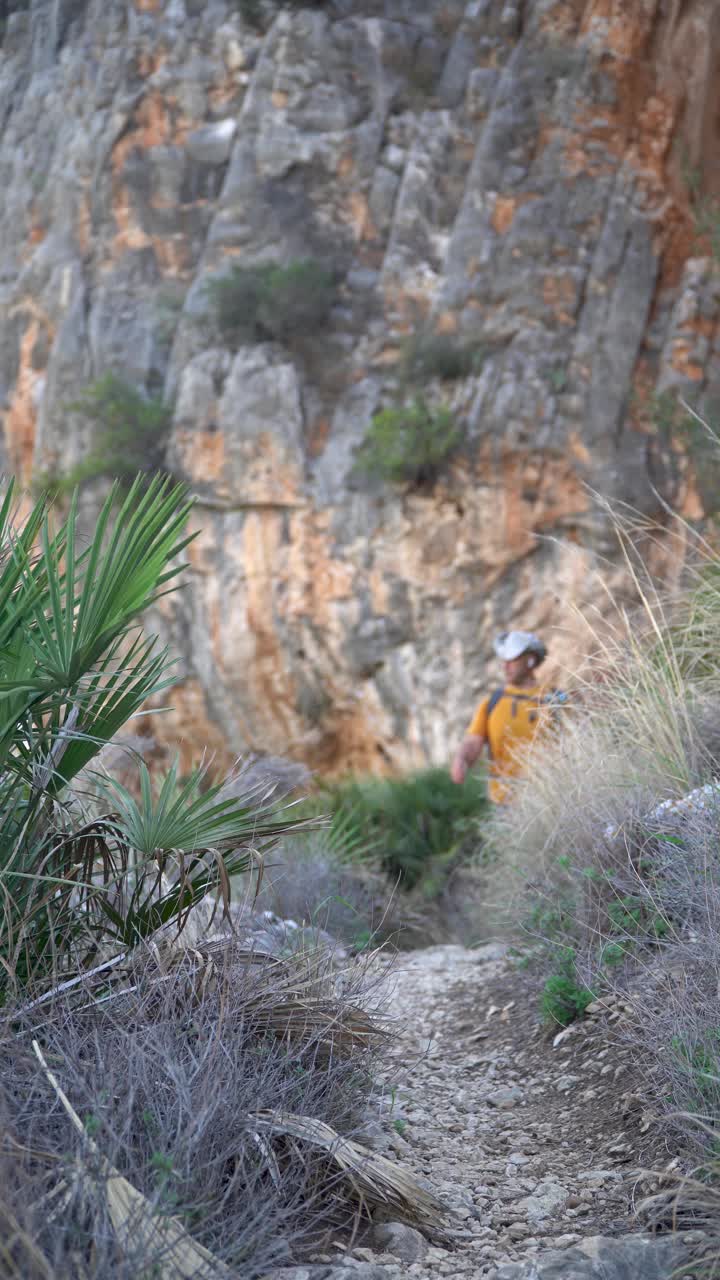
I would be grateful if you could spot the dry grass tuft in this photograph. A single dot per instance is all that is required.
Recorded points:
(143, 1142)
(615, 892)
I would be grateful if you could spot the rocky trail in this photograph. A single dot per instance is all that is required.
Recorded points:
(530, 1138)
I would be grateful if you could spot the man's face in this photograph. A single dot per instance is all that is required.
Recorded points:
(518, 668)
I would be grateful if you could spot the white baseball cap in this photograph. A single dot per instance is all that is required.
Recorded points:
(513, 644)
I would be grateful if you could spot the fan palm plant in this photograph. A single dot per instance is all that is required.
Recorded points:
(77, 877)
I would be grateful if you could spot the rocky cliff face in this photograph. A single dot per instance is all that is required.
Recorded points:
(517, 173)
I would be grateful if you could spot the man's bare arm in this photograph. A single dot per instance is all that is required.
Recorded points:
(469, 751)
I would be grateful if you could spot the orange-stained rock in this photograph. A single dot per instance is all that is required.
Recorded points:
(539, 190)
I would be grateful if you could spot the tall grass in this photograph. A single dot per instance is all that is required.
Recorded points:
(641, 727)
(612, 844)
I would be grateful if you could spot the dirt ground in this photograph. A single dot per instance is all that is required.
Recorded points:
(532, 1136)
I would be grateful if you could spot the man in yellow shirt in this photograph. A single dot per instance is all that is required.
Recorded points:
(510, 717)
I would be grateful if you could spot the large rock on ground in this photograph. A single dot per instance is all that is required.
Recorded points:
(604, 1258)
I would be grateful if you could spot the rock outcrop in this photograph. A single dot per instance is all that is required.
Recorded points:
(516, 173)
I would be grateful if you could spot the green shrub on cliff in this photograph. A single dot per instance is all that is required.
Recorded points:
(284, 303)
(129, 432)
(439, 355)
(410, 444)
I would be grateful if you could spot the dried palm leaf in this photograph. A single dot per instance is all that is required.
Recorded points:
(20, 1258)
(174, 1252)
(375, 1181)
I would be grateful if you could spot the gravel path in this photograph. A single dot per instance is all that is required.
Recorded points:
(528, 1141)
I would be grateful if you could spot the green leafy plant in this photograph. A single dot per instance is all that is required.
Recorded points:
(564, 997)
(129, 435)
(439, 355)
(558, 379)
(75, 665)
(285, 303)
(410, 444)
(409, 823)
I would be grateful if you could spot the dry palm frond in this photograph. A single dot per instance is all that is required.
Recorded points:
(165, 1239)
(374, 1180)
(297, 1004)
(687, 1203)
(20, 1258)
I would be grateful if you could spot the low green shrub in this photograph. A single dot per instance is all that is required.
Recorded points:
(564, 996)
(284, 303)
(129, 436)
(409, 825)
(409, 445)
(439, 355)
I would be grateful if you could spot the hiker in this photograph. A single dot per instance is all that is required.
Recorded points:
(510, 717)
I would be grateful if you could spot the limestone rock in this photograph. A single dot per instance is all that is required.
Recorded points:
(602, 1258)
(479, 171)
(402, 1241)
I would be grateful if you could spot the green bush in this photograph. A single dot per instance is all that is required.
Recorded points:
(408, 824)
(252, 304)
(564, 996)
(129, 435)
(439, 355)
(85, 870)
(409, 445)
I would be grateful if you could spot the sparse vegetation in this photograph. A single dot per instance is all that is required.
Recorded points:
(129, 433)
(205, 1085)
(428, 355)
(705, 208)
(564, 995)
(259, 13)
(409, 826)
(692, 433)
(283, 303)
(410, 444)
(7, 8)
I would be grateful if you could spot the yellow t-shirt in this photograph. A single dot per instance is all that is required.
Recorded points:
(513, 722)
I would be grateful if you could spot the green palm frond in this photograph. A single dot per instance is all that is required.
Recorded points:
(185, 815)
(74, 667)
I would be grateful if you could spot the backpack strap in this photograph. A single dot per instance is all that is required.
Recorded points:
(492, 703)
(494, 699)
